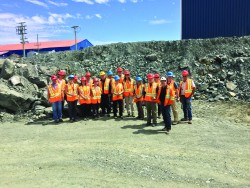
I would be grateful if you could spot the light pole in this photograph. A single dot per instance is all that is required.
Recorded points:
(75, 29)
(21, 30)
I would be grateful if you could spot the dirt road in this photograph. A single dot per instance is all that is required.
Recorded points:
(212, 152)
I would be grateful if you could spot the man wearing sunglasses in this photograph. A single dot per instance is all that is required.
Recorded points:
(187, 89)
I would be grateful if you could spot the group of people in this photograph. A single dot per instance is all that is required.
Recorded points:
(120, 92)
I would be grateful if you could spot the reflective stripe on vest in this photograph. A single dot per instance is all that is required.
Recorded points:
(55, 94)
(72, 90)
(169, 97)
(128, 88)
(62, 83)
(150, 92)
(85, 91)
(138, 93)
(96, 95)
(106, 86)
(188, 87)
(117, 89)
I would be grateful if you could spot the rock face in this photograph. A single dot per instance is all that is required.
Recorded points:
(219, 67)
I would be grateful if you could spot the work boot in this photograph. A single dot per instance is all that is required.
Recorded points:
(128, 114)
(133, 114)
(60, 120)
(184, 119)
(190, 122)
(175, 123)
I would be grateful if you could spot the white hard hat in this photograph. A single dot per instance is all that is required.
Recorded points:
(163, 78)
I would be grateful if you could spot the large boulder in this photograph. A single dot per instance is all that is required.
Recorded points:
(13, 100)
(7, 69)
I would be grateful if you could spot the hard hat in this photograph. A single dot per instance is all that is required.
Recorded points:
(163, 78)
(53, 77)
(185, 73)
(83, 78)
(149, 76)
(126, 72)
(102, 73)
(156, 75)
(138, 79)
(75, 77)
(88, 74)
(116, 77)
(95, 80)
(110, 72)
(71, 76)
(170, 74)
(119, 69)
(61, 73)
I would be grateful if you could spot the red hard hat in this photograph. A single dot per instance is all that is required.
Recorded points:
(156, 76)
(83, 78)
(119, 69)
(88, 74)
(126, 72)
(149, 76)
(53, 77)
(185, 73)
(61, 73)
(95, 80)
(75, 77)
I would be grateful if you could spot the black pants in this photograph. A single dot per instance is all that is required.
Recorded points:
(95, 109)
(140, 109)
(118, 103)
(105, 104)
(86, 110)
(72, 109)
(159, 110)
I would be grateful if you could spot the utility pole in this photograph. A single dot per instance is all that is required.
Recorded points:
(37, 43)
(21, 30)
(75, 30)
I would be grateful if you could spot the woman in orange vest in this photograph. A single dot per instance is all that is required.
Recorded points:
(96, 93)
(138, 98)
(89, 81)
(128, 85)
(117, 91)
(62, 82)
(187, 89)
(157, 80)
(166, 98)
(71, 91)
(55, 97)
(84, 99)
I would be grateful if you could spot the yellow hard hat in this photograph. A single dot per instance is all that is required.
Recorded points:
(102, 73)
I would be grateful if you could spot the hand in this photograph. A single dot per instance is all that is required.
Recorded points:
(177, 99)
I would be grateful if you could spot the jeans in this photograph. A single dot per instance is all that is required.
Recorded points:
(187, 107)
(57, 110)
(166, 113)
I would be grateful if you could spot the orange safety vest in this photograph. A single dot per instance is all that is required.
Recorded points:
(128, 88)
(150, 92)
(62, 83)
(138, 93)
(96, 95)
(121, 78)
(158, 83)
(112, 81)
(89, 83)
(85, 91)
(72, 90)
(106, 86)
(55, 95)
(171, 85)
(188, 89)
(169, 97)
(117, 89)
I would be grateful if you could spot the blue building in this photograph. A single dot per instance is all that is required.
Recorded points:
(215, 18)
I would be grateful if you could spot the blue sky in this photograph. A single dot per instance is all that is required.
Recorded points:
(100, 21)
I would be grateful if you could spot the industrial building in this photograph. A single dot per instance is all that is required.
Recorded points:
(214, 18)
(43, 47)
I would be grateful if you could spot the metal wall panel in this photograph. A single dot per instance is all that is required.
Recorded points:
(215, 18)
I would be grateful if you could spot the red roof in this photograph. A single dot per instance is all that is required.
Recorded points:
(33, 45)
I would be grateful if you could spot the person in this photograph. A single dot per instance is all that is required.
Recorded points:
(166, 97)
(173, 85)
(117, 91)
(120, 74)
(106, 87)
(89, 80)
(55, 97)
(138, 97)
(96, 92)
(84, 98)
(71, 91)
(187, 89)
(62, 82)
(150, 93)
(128, 85)
(157, 80)
(75, 79)
(112, 80)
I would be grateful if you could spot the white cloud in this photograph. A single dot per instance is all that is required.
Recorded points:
(159, 22)
(101, 1)
(58, 4)
(36, 2)
(134, 1)
(98, 16)
(84, 1)
(88, 17)
(122, 1)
